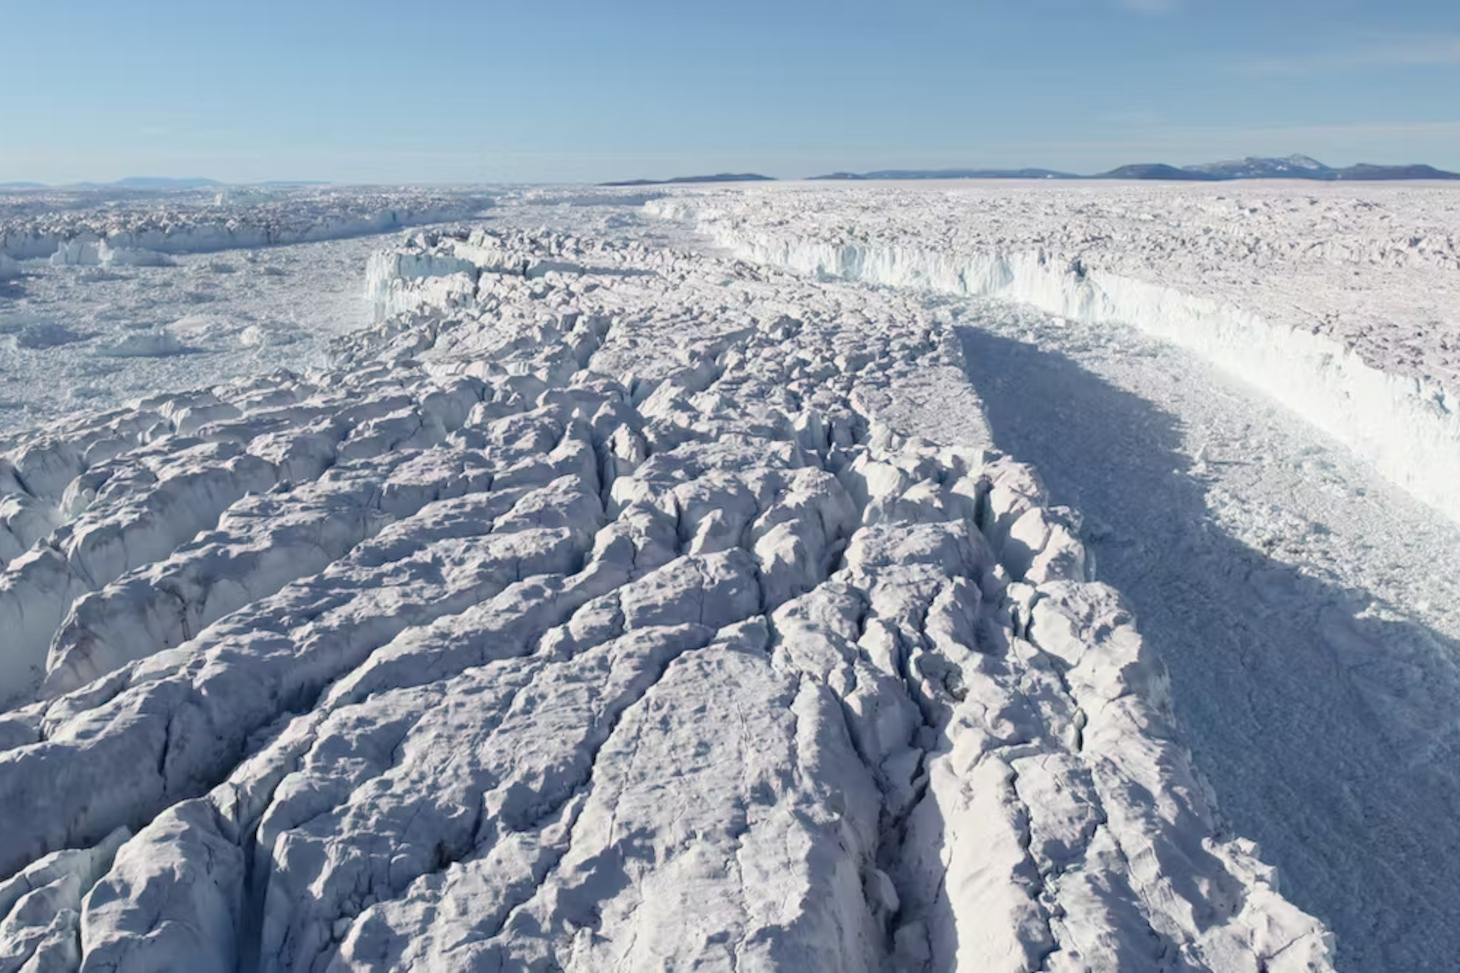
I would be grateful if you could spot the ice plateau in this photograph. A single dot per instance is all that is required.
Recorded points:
(607, 604)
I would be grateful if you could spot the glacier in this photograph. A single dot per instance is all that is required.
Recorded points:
(603, 604)
(1399, 421)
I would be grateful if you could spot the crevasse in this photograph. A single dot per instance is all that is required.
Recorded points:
(1404, 426)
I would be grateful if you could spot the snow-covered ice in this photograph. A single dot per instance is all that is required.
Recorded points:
(615, 606)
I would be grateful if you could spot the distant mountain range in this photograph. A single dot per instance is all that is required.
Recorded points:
(1252, 167)
(1257, 167)
(163, 182)
(1156, 170)
(718, 177)
(159, 184)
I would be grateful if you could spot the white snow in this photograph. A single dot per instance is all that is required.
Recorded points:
(626, 607)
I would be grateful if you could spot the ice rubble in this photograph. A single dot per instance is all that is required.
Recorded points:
(599, 619)
(1393, 410)
(235, 315)
(124, 265)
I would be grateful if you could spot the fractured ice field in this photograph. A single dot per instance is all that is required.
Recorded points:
(106, 299)
(752, 579)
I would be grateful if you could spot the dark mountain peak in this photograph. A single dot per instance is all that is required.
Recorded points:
(1367, 171)
(1262, 167)
(1159, 170)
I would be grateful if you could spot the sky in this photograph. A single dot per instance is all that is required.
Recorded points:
(588, 90)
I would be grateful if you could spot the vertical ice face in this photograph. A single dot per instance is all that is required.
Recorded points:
(607, 615)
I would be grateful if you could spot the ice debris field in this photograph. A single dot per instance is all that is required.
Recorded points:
(957, 577)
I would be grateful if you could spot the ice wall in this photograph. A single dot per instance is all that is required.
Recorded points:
(84, 252)
(393, 279)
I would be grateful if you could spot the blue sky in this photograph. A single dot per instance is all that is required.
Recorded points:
(569, 90)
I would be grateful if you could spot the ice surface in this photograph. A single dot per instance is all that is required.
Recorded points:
(621, 608)
(41, 334)
(1305, 611)
(89, 251)
(147, 344)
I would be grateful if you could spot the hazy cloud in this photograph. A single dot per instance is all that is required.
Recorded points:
(1150, 6)
(1237, 138)
(1418, 51)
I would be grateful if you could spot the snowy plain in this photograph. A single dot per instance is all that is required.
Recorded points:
(627, 597)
